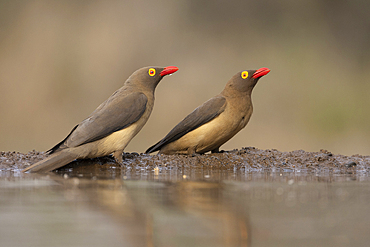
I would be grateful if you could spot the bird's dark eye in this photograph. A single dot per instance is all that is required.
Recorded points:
(244, 74)
(151, 72)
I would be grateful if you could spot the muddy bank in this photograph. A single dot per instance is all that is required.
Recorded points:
(248, 159)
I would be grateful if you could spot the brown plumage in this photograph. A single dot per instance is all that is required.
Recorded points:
(216, 121)
(112, 125)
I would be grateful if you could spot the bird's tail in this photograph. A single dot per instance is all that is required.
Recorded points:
(154, 148)
(54, 161)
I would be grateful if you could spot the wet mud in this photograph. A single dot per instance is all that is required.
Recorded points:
(248, 159)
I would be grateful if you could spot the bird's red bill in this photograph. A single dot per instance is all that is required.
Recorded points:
(169, 70)
(260, 72)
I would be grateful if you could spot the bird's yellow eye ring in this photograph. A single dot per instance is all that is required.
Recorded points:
(151, 72)
(244, 74)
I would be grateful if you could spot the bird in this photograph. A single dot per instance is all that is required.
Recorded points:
(214, 122)
(112, 125)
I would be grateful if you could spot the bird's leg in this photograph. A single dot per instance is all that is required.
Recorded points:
(118, 156)
(191, 151)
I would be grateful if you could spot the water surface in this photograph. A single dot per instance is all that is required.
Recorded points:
(91, 204)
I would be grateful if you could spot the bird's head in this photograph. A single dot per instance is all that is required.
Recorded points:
(149, 77)
(245, 80)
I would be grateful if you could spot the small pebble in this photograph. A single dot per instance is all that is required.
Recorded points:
(350, 164)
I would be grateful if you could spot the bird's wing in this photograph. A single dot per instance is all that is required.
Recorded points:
(202, 115)
(116, 113)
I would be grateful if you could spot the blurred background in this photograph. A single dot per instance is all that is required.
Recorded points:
(60, 59)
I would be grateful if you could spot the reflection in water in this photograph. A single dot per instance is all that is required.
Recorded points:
(96, 204)
(165, 214)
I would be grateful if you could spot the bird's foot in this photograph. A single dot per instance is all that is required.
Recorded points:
(195, 155)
